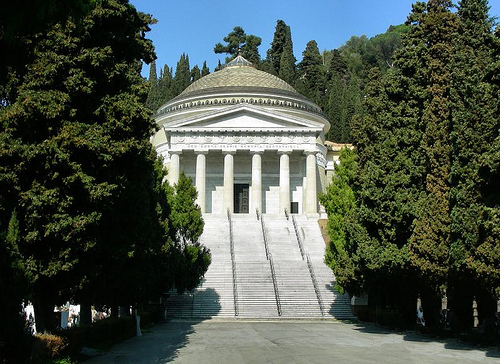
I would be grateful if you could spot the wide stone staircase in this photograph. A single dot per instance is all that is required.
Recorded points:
(271, 268)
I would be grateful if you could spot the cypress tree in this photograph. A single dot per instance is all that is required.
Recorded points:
(387, 187)
(204, 69)
(280, 38)
(474, 255)
(311, 75)
(339, 202)
(195, 73)
(79, 125)
(287, 61)
(218, 67)
(337, 90)
(154, 91)
(338, 65)
(165, 86)
(434, 29)
(182, 78)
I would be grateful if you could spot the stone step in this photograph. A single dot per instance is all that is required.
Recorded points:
(254, 285)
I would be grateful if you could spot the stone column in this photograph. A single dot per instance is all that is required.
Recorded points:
(175, 167)
(257, 181)
(284, 182)
(311, 192)
(228, 198)
(200, 179)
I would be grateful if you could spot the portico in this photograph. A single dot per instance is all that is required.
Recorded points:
(248, 140)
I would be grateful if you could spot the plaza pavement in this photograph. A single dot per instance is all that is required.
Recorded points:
(216, 341)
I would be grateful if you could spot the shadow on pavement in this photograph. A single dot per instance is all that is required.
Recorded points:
(163, 341)
(414, 336)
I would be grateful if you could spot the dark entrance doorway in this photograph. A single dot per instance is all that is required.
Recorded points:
(241, 200)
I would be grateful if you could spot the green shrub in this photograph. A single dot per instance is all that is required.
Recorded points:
(101, 334)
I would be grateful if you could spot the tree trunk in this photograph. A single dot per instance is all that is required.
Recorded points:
(114, 311)
(85, 314)
(43, 305)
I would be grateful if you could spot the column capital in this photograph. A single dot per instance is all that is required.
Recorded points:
(257, 151)
(232, 152)
(197, 152)
(310, 152)
(177, 152)
(286, 152)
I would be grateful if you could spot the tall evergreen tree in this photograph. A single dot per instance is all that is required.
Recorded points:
(77, 121)
(182, 78)
(250, 50)
(282, 42)
(387, 187)
(287, 61)
(165, 86)
(311, 73)
(84, 179)
(205, 71)
(434, 28)
(474, 255)
(191, 258)
(338, 66)
(238, 41)
(195, 73)
(339, 202)
(154, 89)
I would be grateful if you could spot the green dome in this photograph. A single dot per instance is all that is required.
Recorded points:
(239, 74)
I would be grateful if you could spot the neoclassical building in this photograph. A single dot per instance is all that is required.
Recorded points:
(248, 140)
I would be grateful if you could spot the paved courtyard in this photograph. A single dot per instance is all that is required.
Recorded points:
(288, 342)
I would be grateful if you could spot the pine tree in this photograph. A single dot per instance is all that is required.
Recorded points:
(237, 41)
(234, 40)
(250, 50)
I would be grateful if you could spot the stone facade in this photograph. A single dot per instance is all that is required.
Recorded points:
(248, 140)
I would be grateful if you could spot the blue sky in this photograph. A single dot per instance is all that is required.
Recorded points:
(195, 26)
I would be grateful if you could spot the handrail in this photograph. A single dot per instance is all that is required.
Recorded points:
(233, 263)
(315, 284)
(257, 213)
(275, 284)
(264, 237)
(297, 234)
(271, 265)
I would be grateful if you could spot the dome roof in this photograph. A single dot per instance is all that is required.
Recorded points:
(239, 74)
(240, 82)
